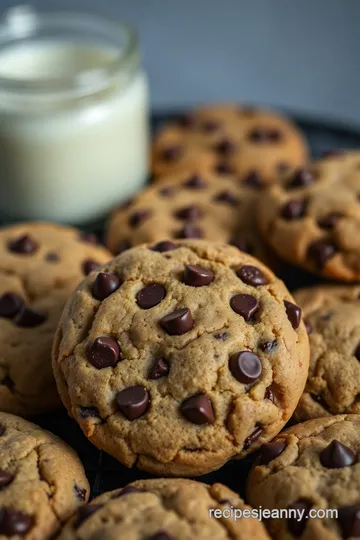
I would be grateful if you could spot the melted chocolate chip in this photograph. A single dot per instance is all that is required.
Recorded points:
(198, 409)
(301, 178)
(189, 213)
(137, 218)
(252, 437)
(25, 245)
(160, 369)
(294, 209)
(224, 168)
(80, 493)
(245, 305)
(167, 191)
(321, 251)
(251, 275)
(227, 197)
(252, 180)
(172, 153)
(178, 322)
(5, 478)
(164, 246)
(105, 284)
(133, 402)
(293, 313)
(271, 450)
(221, 336)
(10, 305)
(13, 522)
(150, 296)
(349, 521)
(336, 456)
(226, 147)
(29, 318)
(245, 366)
(84, 512)
(297, 526)
(90, 266)
(52, 257)
(89, 412)
(104, 352)
(242, 243)
(264, 135)
(329, 221)
(197, 276)
(195, 182)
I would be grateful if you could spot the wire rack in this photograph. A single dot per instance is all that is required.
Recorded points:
(104, 472)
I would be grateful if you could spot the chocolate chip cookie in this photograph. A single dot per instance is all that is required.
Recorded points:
(242, 143)
(333, 386)
(308, 467)
(42, 481)
(40, 265)
(178, 357)
(312, 218)
(190, 205)
(163, 509)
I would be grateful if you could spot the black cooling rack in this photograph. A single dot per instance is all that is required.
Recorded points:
(104, 472)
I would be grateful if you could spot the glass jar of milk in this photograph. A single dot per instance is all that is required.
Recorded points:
(74, 130)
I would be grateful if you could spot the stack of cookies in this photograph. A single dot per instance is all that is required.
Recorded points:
(177, 348)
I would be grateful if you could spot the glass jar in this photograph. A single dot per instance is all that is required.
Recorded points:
(74, 128)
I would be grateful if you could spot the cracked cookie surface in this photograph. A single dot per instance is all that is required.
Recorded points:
(40, 265)
(163, 509)
(189, 205)
(238, 142)
(311, 466)
(177, 360)
(42, 481)
(312, 217)
(333, 385)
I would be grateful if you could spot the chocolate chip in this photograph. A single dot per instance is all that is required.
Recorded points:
(269, 394)
(245, 366)
(264, 135)
(301, 178)
(105, 284)
(104, 352)
(84, 512)
(159, 369)
(80, 493)
(271, 450)
(227, 197)
(161, 535)
(245, 305)
(251, 275)
(90, 266)
(210, 125)
(349, 521)
(10, 305)
(293, 313)
(282, 167)
(295, 525)
(252, 437)
(241, 243)
(15, 523)
(178, 322)
(5, 478)
(197, 276)
(321, 251)
(167, 191)
(357, 352)
(294, 209)
(137, 218)
(88, 238)
(127, 490)
(2, 430)
(29, 318)
(195, 182)
(52, 257)
(308, 327)
(190, 231)
(164, 246)
(320, 400)
(328, 222)
(189, 213)
(221, 336)
(252, 180)
(224, 168)
(133, 402)
(122, 246)
(150, 296)
(172, 153)
(336, 456)
(226, 147)
(198, 409)
(89, 412)
(268, 346)
(25, 245)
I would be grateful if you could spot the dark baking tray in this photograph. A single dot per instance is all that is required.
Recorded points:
(105, 473)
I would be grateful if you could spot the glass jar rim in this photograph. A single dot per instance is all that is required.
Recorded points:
(22, 23)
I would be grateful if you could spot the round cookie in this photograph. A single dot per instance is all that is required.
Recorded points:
(40, 265)
(42, 481)
(308, 467)
(231, 140)
(179, 360)
(164, 509)
(333, 386)
(188, 205)
(312, 218)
